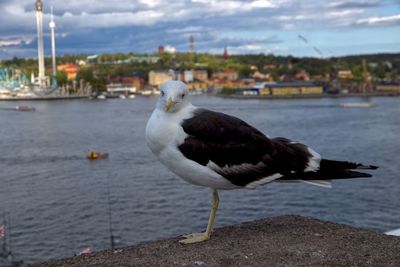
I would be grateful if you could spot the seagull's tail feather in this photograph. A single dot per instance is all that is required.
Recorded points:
(331, 170)
(343, 165)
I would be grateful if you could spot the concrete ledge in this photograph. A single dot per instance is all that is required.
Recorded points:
(279, 241)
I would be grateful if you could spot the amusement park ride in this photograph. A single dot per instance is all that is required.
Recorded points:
(15, 84)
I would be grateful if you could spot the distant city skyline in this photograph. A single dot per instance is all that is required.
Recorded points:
(334, 28)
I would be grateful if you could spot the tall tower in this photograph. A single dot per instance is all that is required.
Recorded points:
(39, 24)
(53, 43)
(191, 43)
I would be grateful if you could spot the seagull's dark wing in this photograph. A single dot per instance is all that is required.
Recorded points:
(238, 151)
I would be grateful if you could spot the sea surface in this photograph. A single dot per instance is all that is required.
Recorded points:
(58, 200)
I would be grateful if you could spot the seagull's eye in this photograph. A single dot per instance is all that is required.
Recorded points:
(162, 93)
(183, 95)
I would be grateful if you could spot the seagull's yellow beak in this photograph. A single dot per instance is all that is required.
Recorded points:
(169, 103)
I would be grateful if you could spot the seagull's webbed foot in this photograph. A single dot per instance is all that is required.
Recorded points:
(200, 237)
(194, 238)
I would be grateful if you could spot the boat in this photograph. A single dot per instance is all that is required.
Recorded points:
(91, 155)
(101, 97)
(146, 92)
(25, 108)
(131, 96)
(358, 105)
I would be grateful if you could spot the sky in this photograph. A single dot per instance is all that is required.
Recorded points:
(281, 27)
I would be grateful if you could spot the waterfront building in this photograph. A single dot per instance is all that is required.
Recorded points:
(291, 88)
(200, 75)
(156, 78)
(229, 75)
(388, 88)
(188, 76)
(198, 85)
(129, 84)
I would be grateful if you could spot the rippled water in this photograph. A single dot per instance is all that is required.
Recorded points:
(58, 200)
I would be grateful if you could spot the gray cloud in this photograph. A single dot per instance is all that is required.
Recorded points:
(88, 26)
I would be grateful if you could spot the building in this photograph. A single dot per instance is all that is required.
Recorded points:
(388, 88)
(269, 67)
(146, 59)
(161, 50)
(200, 75)
(92, 59)
(156, 78)
(291, 88)
(254, 67)
(198, 85)
(188, 76)
(229, 75)
(302, 75)
(345, 74)
(130, 84)
(70, 68)
(260, 76)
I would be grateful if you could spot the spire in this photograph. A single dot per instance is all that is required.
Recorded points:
(226, 53)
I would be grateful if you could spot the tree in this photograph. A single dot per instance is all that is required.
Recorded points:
(85, 74)
(62, 78)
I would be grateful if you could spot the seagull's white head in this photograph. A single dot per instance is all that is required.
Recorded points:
(173, 96)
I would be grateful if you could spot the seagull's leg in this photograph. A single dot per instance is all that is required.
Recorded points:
(198, 237)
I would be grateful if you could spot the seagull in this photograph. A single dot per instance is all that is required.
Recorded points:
(222, 152)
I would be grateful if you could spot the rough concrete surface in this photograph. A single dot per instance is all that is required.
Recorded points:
(279, 241)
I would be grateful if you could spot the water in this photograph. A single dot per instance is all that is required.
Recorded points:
(57, 199)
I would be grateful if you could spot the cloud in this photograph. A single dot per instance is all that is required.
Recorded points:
(9, 43)
(169, 49)
(387, 20)
(354, 4)
(15, 40)
(89, 26)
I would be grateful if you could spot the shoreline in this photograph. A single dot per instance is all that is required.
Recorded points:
(308, 96)
(42, 98)
(279, 241)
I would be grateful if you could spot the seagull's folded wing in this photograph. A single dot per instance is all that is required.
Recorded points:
(238, 151)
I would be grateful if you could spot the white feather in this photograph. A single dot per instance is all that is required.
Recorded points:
(265, 180)
(313, 162)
